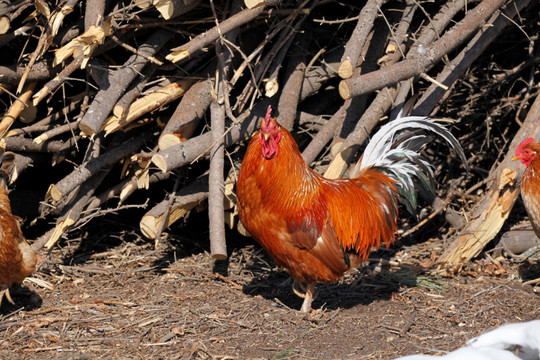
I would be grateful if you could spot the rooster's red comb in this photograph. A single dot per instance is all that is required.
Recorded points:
(524, 143)
(268, 116)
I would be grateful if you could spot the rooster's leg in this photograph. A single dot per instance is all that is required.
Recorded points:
(308, 298)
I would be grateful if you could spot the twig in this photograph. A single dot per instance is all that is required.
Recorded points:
(208, 37)
(16, 108)
(81, 174)
(165, 219)
(185, 200)
(58, 80)
(49, 134)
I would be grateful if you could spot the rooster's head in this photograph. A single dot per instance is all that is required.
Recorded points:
(269, 135)
(525, 152)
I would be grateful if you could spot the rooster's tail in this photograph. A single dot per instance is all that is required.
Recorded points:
(395, 150)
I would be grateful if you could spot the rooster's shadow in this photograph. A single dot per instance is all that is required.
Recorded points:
(25, 299)
(360, 287)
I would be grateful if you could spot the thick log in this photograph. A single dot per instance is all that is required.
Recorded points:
(218, 246)
(427, 36)
(187, 115)
(186, 152)
(20, 144)
(354, 46)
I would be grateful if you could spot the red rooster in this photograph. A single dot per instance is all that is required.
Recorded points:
(530, 183)
(319, 228)
(17, 259)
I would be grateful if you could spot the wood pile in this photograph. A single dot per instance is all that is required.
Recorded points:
(158, 96)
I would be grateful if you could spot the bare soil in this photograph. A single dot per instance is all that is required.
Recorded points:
(106, 293)
(113, 295)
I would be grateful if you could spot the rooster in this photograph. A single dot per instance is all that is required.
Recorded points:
(318, 228)
(17, 259)
(527, 151)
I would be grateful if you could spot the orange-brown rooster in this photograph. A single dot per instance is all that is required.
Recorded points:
(319, 228)
(17, 259)
(527, 152)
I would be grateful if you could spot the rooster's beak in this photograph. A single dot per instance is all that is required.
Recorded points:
(514, 158)
(266, 136)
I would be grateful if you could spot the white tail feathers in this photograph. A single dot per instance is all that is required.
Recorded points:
(395, 150)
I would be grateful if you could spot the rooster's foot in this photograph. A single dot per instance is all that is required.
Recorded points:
(5, 291)
(299, 288)
(306, 292)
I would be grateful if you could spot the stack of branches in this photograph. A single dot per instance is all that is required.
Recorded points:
(117, 97)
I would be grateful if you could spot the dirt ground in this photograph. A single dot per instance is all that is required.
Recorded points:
(111, 295)
(106, 293)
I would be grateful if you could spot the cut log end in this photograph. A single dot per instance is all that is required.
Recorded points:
(177, 55)
(344, 90)
(143, 4)
(28, 114)
(219, 256)
(271, 87)
(119, 111)
(4, 25)
(41, 139)
(242, 230)
(250, 4)
(172, 8)
(339, 164)
(54, 193)
(160, 162)
(168, 140)
(149, 225)
(346, 69)
(86, 130)
(165, 8)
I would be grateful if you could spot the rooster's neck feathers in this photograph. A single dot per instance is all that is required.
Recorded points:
(286, 159)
